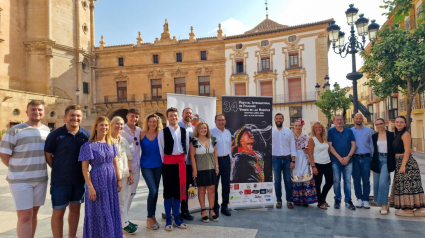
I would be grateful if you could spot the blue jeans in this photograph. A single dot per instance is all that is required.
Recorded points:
(346, 171)
(224, 173)
(282, 166)
(152, 178)
(361, 175)
(381, 182)
(62, 195)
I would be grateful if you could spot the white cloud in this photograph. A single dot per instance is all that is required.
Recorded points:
(232, 26)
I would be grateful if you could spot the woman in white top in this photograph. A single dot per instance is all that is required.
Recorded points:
(124, 165)
(318, 152)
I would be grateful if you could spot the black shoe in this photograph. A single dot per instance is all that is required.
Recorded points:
(186, 216)
(337, 204)
(226, 212)
(305, 205)
(350, 205)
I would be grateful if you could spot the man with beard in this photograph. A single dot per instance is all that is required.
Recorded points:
(62, 149)
(187, 123)
(283, 156)
(362, 161)
(342, 145)
(22, 151)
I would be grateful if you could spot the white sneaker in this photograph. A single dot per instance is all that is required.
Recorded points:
(366, 205)
(359, 203)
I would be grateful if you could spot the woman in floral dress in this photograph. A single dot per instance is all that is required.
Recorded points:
(303, 186)
(102, 209)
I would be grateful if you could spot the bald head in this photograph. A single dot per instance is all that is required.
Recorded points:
(358, 119)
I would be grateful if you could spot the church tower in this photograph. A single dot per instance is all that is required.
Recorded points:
(49, 47)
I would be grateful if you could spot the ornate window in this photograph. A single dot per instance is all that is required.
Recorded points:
(292, 38)
(266, 88)
(238, 46)
(85, 28)
(156, 89)
(264, 43)
(84, 4)
(155, 59)
(240, 89)
(86, 88)
(121, 61)
(295, 113)
(294, 90)
(293, 60)
(122, 91)
(265, 63)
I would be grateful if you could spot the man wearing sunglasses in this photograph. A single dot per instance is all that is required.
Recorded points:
(131, 133)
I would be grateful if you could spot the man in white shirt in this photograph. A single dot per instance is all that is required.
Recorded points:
(131, 132)
(224, 149)
(173, 144)
(283, 156)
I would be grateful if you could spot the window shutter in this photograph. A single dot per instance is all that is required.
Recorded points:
(294, 89)
(266, 88)
(240, 89)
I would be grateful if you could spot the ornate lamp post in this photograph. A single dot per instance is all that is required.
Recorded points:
(326, 86)
(353, 45)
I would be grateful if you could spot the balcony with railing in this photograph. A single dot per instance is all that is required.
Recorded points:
(163, 96)
(261, 68)
(294, 98)
(116, 99)
(290, 66)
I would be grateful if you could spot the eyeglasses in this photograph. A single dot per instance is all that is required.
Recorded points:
(380, 124)
(135, 139)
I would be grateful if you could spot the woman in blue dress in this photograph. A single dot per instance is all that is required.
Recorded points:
(102, 209)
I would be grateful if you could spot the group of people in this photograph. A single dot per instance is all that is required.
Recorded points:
(102, 168)
(185, 155)
(351, 153)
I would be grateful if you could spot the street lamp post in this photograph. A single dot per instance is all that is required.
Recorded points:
(353, 45)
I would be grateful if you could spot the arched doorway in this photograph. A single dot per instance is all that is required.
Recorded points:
(164, 121)
(121, 113)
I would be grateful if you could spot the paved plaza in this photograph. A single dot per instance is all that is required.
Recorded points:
(262, 222)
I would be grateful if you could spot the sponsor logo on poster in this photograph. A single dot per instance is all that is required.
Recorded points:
(253, 201)
(267, 196)
(231, 186)
(269, 190)
(236, 186)
(268, 199)
(269, 185)
(247, 191)
(262, 191)
(240, 192)
(245, 201)
(255, 191)
(261, 200)
(257, 196)
(255, 185)
(248, 186)
(262, 185)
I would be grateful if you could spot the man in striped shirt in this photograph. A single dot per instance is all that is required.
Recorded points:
(22, 151)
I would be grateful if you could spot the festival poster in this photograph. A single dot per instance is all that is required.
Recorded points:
(249, 120)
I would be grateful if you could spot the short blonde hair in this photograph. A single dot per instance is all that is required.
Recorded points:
(158, 119)
(198, 127)
(324, 133)
(117, 118)
(93, 136)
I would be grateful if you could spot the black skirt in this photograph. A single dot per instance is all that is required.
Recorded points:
(206, 178)
(171, 181)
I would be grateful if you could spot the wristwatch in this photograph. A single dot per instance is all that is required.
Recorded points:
(349, 156)
(293, 161)
(313, 166)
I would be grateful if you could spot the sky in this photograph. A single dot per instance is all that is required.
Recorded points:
(120, 21)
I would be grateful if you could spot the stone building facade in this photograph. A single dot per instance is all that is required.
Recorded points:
(49, 53)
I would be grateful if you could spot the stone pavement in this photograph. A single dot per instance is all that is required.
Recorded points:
(262, 222)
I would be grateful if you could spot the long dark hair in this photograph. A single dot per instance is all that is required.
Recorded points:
(399, 134)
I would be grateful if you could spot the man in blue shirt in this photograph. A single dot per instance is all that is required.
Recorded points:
(62, 148)
(342, 146)
(362, 159)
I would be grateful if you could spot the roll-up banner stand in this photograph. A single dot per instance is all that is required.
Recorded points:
(205, 107)
(249, 120)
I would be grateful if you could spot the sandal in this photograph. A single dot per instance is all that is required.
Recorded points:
(213, 217)
(178, 223)
(419, 213)
(169, 224)
(403, 213)
(205, 218)
(322, 206)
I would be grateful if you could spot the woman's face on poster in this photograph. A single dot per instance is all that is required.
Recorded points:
(247, 140)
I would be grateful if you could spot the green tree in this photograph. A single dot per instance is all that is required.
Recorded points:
(401, 9)
(398, 58)
(333, 100)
